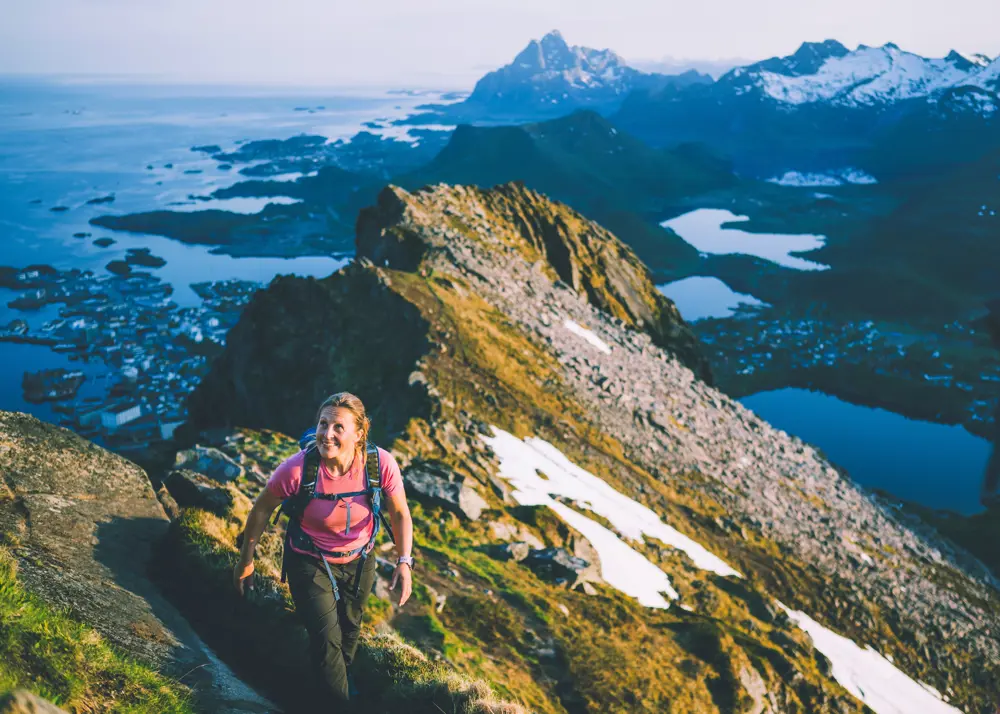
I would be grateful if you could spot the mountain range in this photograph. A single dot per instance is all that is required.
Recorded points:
(822, 107)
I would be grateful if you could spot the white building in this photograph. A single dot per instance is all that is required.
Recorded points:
(117, 416)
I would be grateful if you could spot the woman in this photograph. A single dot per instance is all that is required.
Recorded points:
(330, 596)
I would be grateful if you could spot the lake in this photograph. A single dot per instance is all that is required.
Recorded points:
(700, 297)
(933, 464)
(705, 229)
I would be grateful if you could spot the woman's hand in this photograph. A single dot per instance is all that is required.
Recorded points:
(402, 574)
(243, 578)
(256, 523)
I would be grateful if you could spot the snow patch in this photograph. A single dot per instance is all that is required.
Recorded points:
(538, 471)
(521, 462)
(832, 178)
(588, 336)
(869, 676)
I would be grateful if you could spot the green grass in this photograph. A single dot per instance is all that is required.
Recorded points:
(68, 663)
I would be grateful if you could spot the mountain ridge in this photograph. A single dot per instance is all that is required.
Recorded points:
(499, 344)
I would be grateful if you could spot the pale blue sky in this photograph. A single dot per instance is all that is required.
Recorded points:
(447, 43)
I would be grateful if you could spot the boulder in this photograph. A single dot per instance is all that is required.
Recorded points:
(209, 461)
(511, 551)
(505, 531)
(558, 566)
(21, 701)
(439, 485)
(193, 490)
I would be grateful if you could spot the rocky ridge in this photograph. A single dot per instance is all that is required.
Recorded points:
(496, 335)
(673, 424)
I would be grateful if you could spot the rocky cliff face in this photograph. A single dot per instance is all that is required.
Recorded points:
(498, 310)
(82, 523)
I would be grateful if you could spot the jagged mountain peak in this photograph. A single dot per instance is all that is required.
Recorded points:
(813, 54)
(549, 75)
(554, 39)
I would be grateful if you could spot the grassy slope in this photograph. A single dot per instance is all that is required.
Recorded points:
(68, 663)
(528, 400)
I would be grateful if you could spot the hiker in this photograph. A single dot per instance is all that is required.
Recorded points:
(988, 494)
(333, 492)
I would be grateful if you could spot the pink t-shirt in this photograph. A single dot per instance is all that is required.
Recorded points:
(326, 521)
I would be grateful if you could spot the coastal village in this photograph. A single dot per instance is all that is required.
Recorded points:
(755, 345)
(153, 351)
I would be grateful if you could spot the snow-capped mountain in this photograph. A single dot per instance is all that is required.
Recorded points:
(550, 75)
(868, 76)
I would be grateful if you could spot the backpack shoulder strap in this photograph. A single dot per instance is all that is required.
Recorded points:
(372, 466)
(373, 469)
(294, 505)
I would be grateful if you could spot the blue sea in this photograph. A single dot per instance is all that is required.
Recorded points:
(64, 144)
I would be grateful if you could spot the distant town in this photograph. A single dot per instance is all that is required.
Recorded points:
(763, 350)
(154, 352)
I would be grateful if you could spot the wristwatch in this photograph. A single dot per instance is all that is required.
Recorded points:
(408, 559)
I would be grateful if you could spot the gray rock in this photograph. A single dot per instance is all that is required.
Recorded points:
(21, 701)
(438, 485)
(86, 544)
(193, 490)
(557, 565)
(209, 461)
(511, 551)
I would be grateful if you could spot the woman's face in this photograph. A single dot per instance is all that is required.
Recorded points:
(336, 433)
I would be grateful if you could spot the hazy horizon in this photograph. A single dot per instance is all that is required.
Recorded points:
(445, 43)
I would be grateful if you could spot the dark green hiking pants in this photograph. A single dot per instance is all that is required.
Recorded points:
(333, 626)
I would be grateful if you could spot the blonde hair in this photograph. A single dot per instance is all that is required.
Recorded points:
(348, 401)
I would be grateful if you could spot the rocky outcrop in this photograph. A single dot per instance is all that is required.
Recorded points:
(82, 523)
(211, 462)
(191, 489)
(400, 230)
(283, 390)
(439, 485)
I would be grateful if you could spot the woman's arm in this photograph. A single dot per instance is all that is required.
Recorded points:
(261, 512)
(402, 529)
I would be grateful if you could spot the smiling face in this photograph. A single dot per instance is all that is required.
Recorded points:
(337, 435)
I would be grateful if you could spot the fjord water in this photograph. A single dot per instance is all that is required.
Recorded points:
(700, 297)
(936, 465)
(62, 145)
